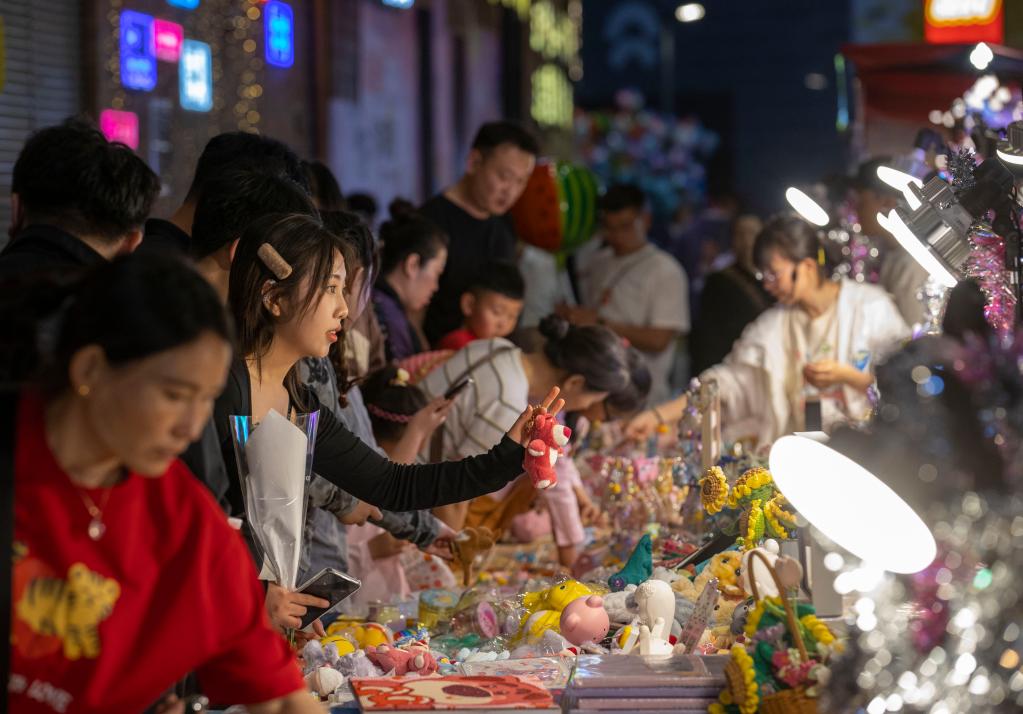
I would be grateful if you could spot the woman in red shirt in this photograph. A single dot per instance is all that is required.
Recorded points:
(126, 575)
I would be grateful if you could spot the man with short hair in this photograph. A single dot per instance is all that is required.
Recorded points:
(471, 212)
(633, 287)
(234, 151)
(77, 200)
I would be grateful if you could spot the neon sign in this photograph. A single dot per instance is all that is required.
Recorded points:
(195, 76)
(279, 22)
(120, 126)
(186, 4)
(552, 96)
(962, 21)
(138, 61)
(167, 39)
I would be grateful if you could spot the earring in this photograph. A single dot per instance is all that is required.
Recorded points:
(83, 390)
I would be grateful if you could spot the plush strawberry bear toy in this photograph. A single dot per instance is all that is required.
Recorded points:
(546, 439)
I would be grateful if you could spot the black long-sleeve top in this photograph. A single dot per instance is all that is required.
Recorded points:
(343, 459)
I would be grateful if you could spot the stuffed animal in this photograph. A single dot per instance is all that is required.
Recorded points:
(401, 662)
(656, 603)
(366, 635)
(324, 680)
(556, 597)
(621, 606)
(357, 664)
(638, 568)
(546, 439)
(765, 582)
(585, 620)
(725, 567)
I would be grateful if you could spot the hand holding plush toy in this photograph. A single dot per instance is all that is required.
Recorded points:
(546, 439)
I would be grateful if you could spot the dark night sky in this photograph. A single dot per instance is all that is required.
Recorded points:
(743, 70)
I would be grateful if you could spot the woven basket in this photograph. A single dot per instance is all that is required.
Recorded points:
(788, 701)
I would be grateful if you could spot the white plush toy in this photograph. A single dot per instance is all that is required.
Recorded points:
(324, 681)
(656, 601)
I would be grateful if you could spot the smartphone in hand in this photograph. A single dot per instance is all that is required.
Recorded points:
(457, 388)
(331, 585)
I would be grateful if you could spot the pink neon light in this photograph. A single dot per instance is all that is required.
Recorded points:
(120, 126)
(167, 39)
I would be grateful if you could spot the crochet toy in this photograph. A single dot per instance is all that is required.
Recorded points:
(415, 659)
(726, 567)
(639, 567)
(585, 620)
(546, 439)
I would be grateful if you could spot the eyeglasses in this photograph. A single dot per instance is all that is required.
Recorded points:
(768, 277)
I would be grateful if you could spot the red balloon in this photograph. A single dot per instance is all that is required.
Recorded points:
(537, 214)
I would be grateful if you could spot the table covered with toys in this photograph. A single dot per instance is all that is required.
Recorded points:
(681, 601)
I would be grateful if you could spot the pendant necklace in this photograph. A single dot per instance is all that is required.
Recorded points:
(96, 526)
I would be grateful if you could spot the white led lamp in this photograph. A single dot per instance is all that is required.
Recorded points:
(1010, 149)
(935, 232)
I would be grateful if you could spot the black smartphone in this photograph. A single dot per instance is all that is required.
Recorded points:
(331, 585)
(457, 389)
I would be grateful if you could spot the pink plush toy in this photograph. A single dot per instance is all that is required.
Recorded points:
(584, 620)
(546, 439)
(416, 659)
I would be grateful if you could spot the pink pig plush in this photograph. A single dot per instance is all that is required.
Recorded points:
(546, 439)
(584, 620)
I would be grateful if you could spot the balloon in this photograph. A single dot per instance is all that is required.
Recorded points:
(558, 208)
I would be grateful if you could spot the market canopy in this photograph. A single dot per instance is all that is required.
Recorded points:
(907, 81)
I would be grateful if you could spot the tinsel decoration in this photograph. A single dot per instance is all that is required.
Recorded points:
(986, 265)
(949, 639)
(861, 256)
(932, 296)
(961, 166)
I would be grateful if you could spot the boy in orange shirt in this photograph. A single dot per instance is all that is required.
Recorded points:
(491, 306)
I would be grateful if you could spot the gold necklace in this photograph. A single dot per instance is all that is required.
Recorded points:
(96, 526)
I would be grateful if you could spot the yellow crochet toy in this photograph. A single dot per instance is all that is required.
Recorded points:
(723, 566)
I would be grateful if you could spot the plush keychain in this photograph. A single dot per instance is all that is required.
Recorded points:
(469, 543)
(546, 439)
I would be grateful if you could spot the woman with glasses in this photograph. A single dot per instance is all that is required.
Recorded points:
(806, 363)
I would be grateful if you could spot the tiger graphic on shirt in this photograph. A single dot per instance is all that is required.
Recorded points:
(65, 611)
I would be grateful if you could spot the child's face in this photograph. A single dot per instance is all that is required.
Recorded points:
(489, 314)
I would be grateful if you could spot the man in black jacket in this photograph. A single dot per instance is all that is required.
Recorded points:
(77, 200)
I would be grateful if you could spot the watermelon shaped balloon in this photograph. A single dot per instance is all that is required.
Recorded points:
(558, 209)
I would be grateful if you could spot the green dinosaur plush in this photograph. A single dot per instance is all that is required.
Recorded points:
(638, 568)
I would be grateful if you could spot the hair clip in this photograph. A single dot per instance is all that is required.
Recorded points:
(274, 261)
(401, 378)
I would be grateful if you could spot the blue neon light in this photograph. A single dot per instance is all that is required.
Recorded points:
(401, 4)
(138, 59)
(279, 21)
(195, 76)
(186, 4)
